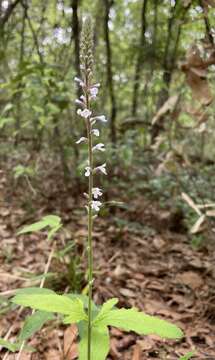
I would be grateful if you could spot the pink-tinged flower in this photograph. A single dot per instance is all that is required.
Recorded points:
(96, 205)
(94, 92)
(99, 147)
(102, 169)
(95, 132)
(87, 171)
(82, 139)
(96, 192)
(84, 113)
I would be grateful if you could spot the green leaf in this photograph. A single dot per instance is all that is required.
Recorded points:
(106, 308)
(34, 323)
(34, 277)
(99, 342)
(53, 303)
(84, 299)
(53, 221)
(7, 108)
(132, 320)
(8, 345)
(187, 356)
(61, 253)
(53, 231)
(34, 291)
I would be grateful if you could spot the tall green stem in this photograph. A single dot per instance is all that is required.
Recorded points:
(90, 228)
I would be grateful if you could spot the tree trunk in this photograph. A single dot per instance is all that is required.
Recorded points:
(76, 38)
(18, 96)
(138, 66)
(169, 60)
(110, 83)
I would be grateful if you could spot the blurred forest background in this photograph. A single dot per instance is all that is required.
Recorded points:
(155, 60)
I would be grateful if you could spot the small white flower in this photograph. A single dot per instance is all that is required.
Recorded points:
(84, 113)
(82, 139)
(87, 171)
(94, 92)
(102, 168)
(101, 118)
(99, 147)
(79, 81)
(97, 85)
(96, 192)
(95, 205)
(79, 102)
(95, 132)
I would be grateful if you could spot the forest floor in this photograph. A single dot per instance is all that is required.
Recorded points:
(137, 259)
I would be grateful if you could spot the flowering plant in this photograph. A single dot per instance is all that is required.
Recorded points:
(93, 320)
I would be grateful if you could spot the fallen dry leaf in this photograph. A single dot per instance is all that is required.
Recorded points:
(198, 226)
(70, 348)
(158, 243)
(191, 279)
(191, 203)
(195, 69)
(137, 352)
(127, 293)
(53, 355)
(146, 344)
(114, 349)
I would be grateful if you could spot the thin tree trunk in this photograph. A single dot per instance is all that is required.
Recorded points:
(110, 83)
(18, 96)
(169, 60)
(76, 38)
(97, 24)
(138, 65)
(149, 75)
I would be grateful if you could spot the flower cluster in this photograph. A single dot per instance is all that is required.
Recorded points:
(90, 92)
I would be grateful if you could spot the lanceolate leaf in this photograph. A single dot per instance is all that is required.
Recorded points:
(53, 303)
(99, 344)
(8, 345)
(85, 299)
(34, 291)
(106, 307)
(132, 320)
(13, 347)
(34, 323)
(53, 221)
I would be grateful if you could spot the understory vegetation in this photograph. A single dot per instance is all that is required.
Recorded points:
(107, 200)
